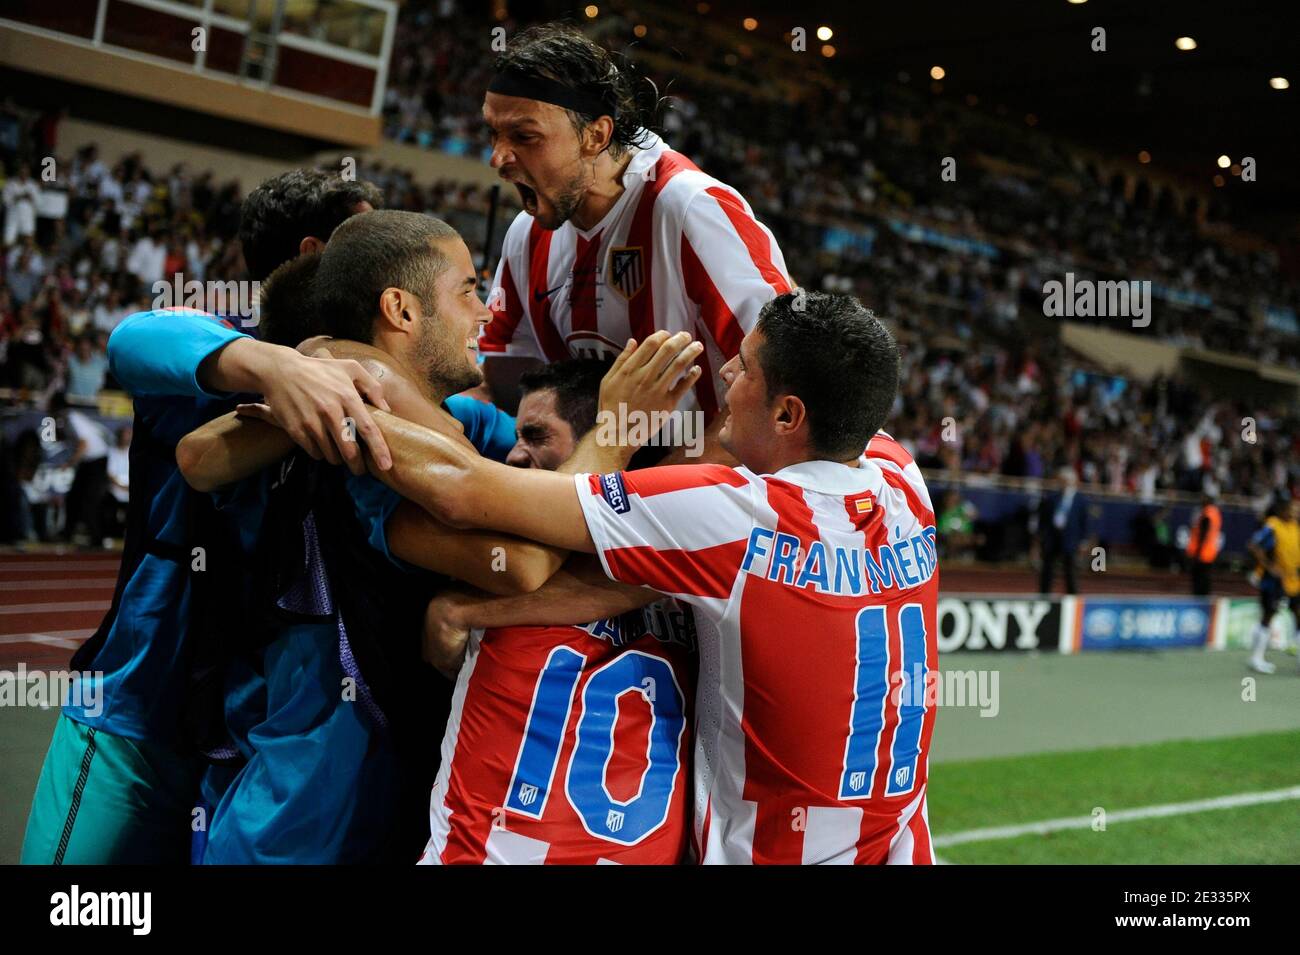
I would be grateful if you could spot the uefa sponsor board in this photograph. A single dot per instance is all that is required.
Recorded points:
(998, 623)
(1145, 624)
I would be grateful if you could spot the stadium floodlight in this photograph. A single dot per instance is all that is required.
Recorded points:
(592, 11)
(1225, 162)
(827, 50)
(824, 33)
(1185, 43)
(1144, 157)
(937, 73)
(750, 23)
(1279, 83)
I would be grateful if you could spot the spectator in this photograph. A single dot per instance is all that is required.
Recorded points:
(119, 483)
(956, 526)
(20, 196)
(24, 279)
(1203, 544)
(1062, 529)
(86, 368)
(90, 483)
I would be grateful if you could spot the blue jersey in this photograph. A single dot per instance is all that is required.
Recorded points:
(156, 357)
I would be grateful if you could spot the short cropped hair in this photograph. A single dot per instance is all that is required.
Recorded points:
(373, 252)
(838, 359)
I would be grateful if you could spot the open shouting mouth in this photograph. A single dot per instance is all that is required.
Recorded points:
(527, 196)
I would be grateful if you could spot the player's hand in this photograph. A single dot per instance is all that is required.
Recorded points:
(321, 404)
(651, 377)
(445, 636)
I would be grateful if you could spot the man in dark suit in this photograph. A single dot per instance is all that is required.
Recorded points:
(1062, 530)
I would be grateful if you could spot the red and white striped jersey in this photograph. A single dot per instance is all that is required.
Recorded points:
(815, 595)
(679, 251)
(569, 745)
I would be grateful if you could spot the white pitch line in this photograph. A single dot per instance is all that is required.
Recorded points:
(73, 638)
(1119, 815)
(49, 641)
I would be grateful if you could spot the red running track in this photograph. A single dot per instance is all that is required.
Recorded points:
(49, 605)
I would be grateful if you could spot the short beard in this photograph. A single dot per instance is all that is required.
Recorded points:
(567, 202)
(446, 373)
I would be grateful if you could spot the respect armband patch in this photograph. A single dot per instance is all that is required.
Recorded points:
(614, 493)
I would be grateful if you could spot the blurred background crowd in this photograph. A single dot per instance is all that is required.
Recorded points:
(848, 184)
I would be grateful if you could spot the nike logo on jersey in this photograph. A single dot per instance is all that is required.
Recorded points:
(541, 296)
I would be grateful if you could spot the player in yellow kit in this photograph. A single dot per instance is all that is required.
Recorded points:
(1276, 546)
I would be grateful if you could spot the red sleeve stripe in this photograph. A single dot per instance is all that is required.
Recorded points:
(679, 477)
(500, 332)
(755, 239)
(883, 446)
(914, 502)
(717, 315)
(707, 572)
(539, 260)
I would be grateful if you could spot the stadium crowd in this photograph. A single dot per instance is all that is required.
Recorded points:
(957, 267)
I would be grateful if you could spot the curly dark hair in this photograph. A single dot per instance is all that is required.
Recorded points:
(838, 358)
(287, 208)
(563, 53)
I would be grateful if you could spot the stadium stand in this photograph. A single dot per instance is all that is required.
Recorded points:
(994, 392)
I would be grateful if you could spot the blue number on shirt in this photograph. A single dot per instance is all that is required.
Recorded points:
(603, 816)
(873, 692)
(535, 768)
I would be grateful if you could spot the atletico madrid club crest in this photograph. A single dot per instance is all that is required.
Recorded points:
(626, 271)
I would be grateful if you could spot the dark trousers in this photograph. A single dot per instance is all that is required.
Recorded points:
(1052, 552)
(86, 499)
(1201, 578)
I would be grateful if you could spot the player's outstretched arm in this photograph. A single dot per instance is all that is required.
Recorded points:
(462, 489)
(499, 564)
(190, 354)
